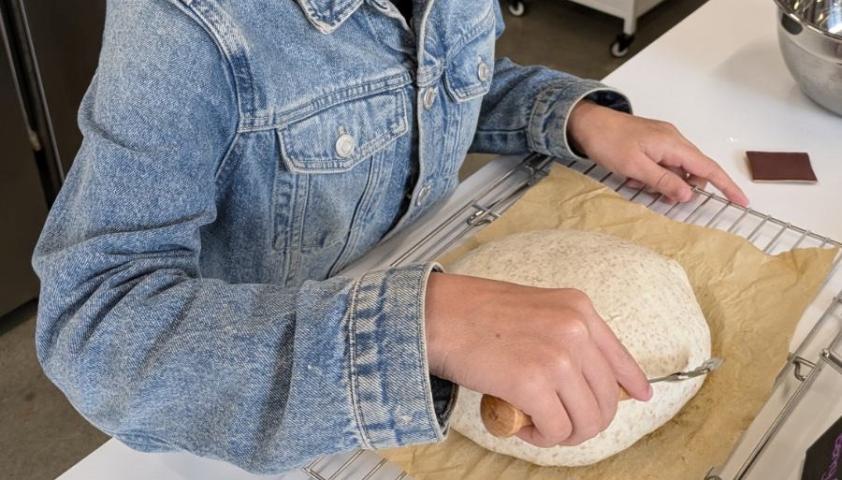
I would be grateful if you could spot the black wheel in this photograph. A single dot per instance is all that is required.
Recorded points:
(620, 47)
(517, 8)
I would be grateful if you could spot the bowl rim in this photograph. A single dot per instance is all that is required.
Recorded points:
(789, 13)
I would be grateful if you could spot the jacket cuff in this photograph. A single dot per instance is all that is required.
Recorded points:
(547, 128)
(391, 385)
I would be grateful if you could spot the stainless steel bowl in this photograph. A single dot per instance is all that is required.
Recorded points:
(810, 34)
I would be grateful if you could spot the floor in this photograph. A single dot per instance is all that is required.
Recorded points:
(40, 433)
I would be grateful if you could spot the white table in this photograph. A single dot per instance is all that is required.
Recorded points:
(720, 78)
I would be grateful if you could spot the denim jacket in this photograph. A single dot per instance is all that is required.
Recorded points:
(236, 156)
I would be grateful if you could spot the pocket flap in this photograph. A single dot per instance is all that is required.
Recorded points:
(471, 67)
(336, 138)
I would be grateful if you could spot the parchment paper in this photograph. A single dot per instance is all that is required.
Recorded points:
(752, 302)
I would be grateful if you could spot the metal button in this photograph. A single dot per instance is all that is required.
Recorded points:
(483, 71)
(430, 97)
(345, 145)
(423, 194)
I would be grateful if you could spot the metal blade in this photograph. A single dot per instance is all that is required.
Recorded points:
(708, 366)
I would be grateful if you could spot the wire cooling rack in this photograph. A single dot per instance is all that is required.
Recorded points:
(770, 440)
(359, 465)
(774, 445)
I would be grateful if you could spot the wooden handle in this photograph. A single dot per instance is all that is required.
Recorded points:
(502, 419)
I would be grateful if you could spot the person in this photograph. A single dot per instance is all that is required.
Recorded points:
(238, 155)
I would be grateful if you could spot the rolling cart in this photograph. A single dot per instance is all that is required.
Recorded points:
(628, 10)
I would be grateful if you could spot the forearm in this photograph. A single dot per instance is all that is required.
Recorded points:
(528, 109)
(260, 376)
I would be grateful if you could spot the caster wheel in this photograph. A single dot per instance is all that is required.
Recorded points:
(517, 8)
(620, 47)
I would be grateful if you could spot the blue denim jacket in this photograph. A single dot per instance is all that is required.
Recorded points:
(237, 155)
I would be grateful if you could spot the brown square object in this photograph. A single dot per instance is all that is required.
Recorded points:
(781, 167)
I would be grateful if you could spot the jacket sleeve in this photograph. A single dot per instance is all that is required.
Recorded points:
(154, 354)
(526, 108)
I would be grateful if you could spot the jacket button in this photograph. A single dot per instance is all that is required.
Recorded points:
(430, 97)
(483, 71)
(422, 194)
(345, 145)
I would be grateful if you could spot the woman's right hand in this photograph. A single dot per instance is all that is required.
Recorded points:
(546, 351)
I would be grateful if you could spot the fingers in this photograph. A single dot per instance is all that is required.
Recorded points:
(600, 377)
(664, 181)
(632, 183)
(550, 423)
(659, 146)
(693, 180)
(569, 382)
(697, 181)
(583, 409)
(626, 369)
(701, 167)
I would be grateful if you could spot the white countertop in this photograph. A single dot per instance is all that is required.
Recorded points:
(720, 78)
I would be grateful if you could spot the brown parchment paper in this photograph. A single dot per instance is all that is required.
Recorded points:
(752, 302)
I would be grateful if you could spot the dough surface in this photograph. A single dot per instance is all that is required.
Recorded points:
(644, 297)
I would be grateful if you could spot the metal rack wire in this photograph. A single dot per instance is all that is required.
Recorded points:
(768, 233)
(773, 236)
(359, 465)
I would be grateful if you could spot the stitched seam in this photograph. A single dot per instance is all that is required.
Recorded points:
(352, 371)
(223, 164)
(501, 131)
(195, 17)
(462, 94)
(324, 23)
(453, 140)
(296, 229)
(359, 213)
(423, 368)
(357, 91)
(235, 54)
(472, 90)
(471, 34)
(273, 208)
(533, 132)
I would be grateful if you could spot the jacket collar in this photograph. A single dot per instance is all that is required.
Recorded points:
(328, 15)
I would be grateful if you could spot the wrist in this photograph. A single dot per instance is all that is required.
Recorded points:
(583, 124)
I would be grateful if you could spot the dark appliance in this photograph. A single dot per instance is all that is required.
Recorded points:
(48, 56)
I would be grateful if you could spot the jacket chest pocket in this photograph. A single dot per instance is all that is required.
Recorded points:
(331, 163)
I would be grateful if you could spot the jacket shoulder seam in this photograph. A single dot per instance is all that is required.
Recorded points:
(231, 44)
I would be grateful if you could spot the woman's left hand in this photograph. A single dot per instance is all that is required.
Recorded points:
(651, 152)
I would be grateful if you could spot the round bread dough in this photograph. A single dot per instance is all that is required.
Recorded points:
(644, 297)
